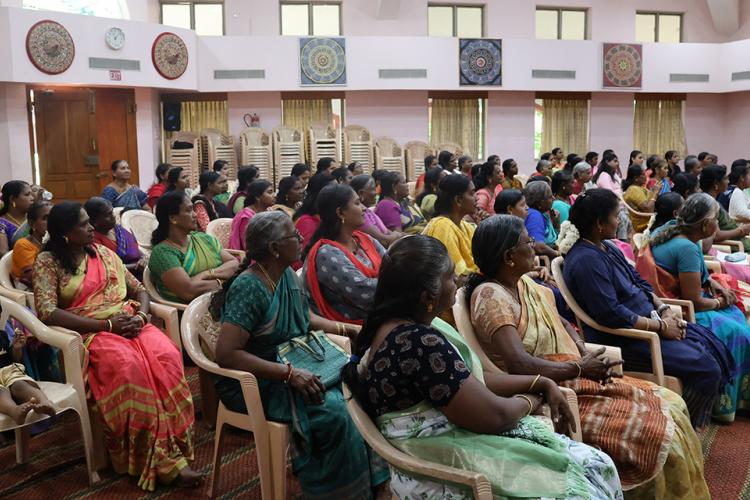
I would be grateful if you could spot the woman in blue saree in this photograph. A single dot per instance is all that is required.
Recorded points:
(261, 307)
(119, 192)
(17, 199)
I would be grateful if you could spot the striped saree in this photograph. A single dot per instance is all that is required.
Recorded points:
(644, 428)
(138, 384)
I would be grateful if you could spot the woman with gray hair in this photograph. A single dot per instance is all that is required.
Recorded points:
(582, 174)
(679, 270)
(542, 223)
(262, 306)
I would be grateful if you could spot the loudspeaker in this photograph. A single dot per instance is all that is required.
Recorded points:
(172, 116)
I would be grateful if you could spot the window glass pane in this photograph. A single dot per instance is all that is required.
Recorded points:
(440, 21)
(326, 20)
(177, 15)
(295, 20)
(209, 19)
(573, 25)
(117, 9)
(546, 24)
(645, 27)
(669, 28)
(469, 22)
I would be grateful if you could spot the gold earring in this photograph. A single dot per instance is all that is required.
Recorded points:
(343, 220)
(66, 239)
(13, 204)
(429, 308)
(511, 263)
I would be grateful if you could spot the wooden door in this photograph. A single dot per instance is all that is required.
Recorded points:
(116, 131)
(66, 143)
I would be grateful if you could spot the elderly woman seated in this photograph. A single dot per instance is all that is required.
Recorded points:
(675, 267)
(260, 308)
(518, 327)
(185, 263)
(614, 295)
(134, 371)
(542, 222)
(427, 393)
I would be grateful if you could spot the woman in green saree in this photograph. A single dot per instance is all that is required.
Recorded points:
(185, 263)
(428, 394)
(261, 307)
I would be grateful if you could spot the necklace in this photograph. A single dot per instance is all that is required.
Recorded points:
(513, 292)
(177, 245)
(13, 219)
(265, 275)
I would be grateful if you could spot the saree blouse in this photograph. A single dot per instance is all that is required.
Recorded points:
(390, 213)
(132, 197)
(635, 196)
(414, 363)
(457, 239)
(203, 253)
(56, 288)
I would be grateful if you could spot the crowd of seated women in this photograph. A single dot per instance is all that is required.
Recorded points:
(382, 266)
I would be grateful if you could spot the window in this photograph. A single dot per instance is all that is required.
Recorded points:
(206, 18)
(117, 9)
(561, 120)
(658, 27)
(460, 121)
(311, 19)
(561, 24)
(658, 125)
(466, 21)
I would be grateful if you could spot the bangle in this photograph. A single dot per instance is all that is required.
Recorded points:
(143, 316)
(577, 365)
(143, 321)
(662, 326)
(218, 282)
(288, 373)
(718, 304)
(109, 325)
(534, 382)
(211, 273)
(528, 400)
(662, 308)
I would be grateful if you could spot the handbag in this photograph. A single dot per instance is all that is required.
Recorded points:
(316, 353)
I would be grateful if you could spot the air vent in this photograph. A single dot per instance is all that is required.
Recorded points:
(107, 63)
(742, 75)
(688, 77)
(239, 74)
(558, 74)
(402, 73)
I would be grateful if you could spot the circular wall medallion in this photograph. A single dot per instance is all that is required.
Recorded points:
(480, 62)
(170, 55)
(115, 38)
(323, 60)
(50, 47)
(623, 65)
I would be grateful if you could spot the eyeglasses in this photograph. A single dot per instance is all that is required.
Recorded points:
(531, 241)
(296, 234)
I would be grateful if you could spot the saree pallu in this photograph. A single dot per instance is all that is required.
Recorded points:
(329, 456)
(728, 325)
(138, 384)
(626, 418)
(9, 229)
(529, 461)
(132, 197)
(22, 232)
(367, 246)
(412, 219)
(125, 244)
(239, 225)
(203, 253)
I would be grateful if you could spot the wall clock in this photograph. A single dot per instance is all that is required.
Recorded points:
(50, 47)
(115, 38)
(169, 55)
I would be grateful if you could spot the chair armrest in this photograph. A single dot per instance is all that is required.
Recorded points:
(713, 266)
(177, 305)
(611, 352)
(544, 261)
(735, 245)
(572, 399)
(171, 321)
(15, 295)
(721, 247)
(654, 344)
(687, 308)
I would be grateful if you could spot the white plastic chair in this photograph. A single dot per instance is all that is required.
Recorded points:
(155, 295)
(7, 281)
(221, 229)
(70, 395)
(415, 152)
(141, 223)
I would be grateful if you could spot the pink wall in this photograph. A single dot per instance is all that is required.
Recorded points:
(510, 127)
(611, 123)
(400, 115)
(15, 158)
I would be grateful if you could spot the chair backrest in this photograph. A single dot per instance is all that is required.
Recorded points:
(285, 133)
(454, 148)
(6, 263)
(254, 136)
(522, 178)
(141, 223)
(462, 315)
(415, 153)
(581, 315)
(154, 293)
(357, 133)
(193, 327)
(220, 229)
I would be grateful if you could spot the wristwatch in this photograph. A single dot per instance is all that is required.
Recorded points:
(662, 308)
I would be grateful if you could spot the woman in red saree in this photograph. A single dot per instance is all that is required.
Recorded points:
(134, 371)
(342, 264)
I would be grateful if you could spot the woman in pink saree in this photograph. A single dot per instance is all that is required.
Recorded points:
(133, 370)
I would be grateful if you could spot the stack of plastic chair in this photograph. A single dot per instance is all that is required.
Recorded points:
(190, 158)
(288, 149)
(256, 149)
(415, 152)
(389, 156)
(216, 145)
(454, 148)
(323, 142)
(358, 147)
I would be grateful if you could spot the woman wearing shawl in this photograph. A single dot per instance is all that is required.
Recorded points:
(259, 198)
(160, 186)
(341, 265)
(542, 222)
(395, 209)
(609, 290)
(17, 199)
(134, 371)
(455, 201)
(119, 192)
(113, 236)
(365, 187)
(426, 391)
(518, 327)
(205, 206)
(262, 306)
(675, 267)
(185, 263)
